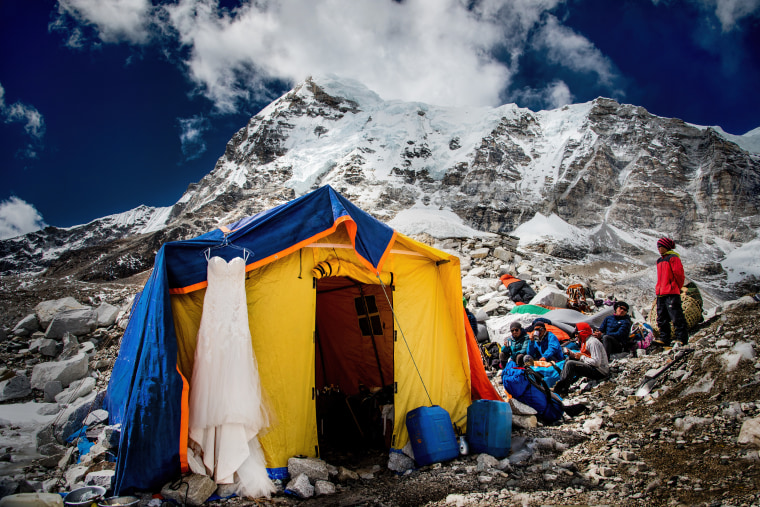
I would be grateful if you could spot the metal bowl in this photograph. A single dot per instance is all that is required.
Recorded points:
(84, 497)
(120, 501)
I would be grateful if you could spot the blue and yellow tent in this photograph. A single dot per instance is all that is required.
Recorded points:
(301, 252)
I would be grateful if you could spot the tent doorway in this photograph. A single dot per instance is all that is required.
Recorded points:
(354, 367)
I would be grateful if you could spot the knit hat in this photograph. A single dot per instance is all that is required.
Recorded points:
(620, 304)
(668, 243)
(515, 325)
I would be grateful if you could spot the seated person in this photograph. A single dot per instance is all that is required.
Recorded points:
(517, 344)
(591, 362)
(543, 345)
(615, 330)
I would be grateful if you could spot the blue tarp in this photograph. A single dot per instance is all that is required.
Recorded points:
(145, 391)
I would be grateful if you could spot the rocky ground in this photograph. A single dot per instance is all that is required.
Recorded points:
(679, 445)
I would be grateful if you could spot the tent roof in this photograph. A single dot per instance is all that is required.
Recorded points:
(277, 232)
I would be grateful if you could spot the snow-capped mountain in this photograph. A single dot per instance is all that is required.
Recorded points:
(613, 175)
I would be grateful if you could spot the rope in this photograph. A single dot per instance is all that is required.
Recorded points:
(395, 317)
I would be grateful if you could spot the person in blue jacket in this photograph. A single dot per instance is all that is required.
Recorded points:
(615, 331)
(515, 345)
(543, 344)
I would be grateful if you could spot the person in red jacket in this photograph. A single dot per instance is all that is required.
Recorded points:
(670, 279)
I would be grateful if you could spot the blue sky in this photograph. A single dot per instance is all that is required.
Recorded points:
(109, 104)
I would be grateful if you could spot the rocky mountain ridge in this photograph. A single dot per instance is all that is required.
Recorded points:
(615, 171)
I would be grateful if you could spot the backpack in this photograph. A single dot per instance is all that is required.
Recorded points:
(576, 298)
(490, 354)
(641, 336)
(528, 386)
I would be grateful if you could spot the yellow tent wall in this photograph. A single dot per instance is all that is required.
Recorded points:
(430, 344)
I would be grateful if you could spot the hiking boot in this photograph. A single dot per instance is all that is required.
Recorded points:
(661, 342)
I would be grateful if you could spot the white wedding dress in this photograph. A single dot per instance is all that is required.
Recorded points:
(226, 405)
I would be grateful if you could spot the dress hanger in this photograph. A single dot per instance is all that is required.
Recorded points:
(226, 244)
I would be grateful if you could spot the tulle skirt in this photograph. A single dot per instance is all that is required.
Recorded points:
(227, 409)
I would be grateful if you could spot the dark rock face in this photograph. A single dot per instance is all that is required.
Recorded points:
(616, 167)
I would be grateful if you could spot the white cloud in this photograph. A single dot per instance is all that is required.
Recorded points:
(18, 217)
(34, 123)
(429, 50)
(114, 20)
(729, 12)
(191, 136)
(573, 51)
(555, 94)
(435, 51)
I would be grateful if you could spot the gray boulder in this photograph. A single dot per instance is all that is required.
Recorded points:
(14, 388)
(96, 416)
(65, 372)
(109, 437)
(107, 314)
(45, 436)
(44, 346)
(199, 488)
(100, 478)
(71, 418)
(47, 310)
(324, 488)
(77, 389)
(8, 486)
(51, 455)
(399, 462)
(51, 390)
(300, 486)
(75, 476)
(77, 322)
(27, 326)
(314, 469)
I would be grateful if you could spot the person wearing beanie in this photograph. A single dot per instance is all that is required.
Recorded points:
(615, 331)
(590, 363)
(514, 345)
(543, 344)
(670, 280)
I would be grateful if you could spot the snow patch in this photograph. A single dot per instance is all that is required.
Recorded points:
(439, 223)
(743, 262)
(542, 228)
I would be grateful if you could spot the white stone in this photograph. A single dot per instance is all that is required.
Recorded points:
(550, 296)
(95, 417)
(480, 253)
(324, 488)
(592, 425)
(75, 475)
(314, 469)
(301, 486)
(750, 432)
(502, 254)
